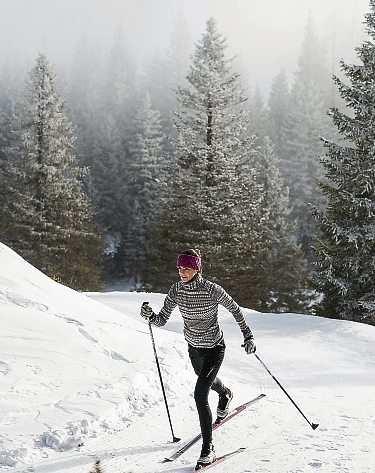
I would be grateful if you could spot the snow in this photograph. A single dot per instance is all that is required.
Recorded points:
(79, 369)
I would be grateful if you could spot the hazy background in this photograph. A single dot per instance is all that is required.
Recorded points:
(266, 35)
(120, 65)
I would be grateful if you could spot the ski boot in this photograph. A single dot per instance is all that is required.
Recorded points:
(223, 406)
(207, 456)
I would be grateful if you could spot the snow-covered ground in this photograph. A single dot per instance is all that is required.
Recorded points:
(79, 369)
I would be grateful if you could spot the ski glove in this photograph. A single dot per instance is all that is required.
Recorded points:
(249, 345)
(146, 311)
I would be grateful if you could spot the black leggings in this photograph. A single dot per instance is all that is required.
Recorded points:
(206, 363)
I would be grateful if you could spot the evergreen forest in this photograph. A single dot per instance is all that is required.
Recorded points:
(109, 170)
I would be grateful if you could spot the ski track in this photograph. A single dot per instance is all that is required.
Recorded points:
(264, 444)
(276, 438)
(10, 297)
(4, 368)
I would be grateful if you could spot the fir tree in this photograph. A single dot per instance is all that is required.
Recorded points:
(302, 170)
(147, 180)
(7, 111)
(103, 104)
(213, 199)
(278, 112)
(82, 100)
(279, 272)
(346, 250)
(50, 215)
(306, 123)
(257, 115)
(312, 63)
(119, 80)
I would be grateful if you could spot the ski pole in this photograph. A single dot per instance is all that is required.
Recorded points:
(312, 425)
(175, 439)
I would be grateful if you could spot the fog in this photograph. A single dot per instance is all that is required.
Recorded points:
(265, 35)
(154, 173)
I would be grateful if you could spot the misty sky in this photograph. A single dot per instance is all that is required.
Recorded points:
(266, 35)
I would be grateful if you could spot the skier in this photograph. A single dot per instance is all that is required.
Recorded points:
(198, 300)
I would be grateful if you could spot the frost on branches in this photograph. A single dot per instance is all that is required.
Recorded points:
(346, 252)
(147, 175)
(216, 198)
(206, 208)
(49, 216)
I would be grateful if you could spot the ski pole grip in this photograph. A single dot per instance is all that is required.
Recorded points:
(148, 317)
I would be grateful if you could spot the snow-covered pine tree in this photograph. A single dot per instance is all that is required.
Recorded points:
(346, 250)
(7, 111)
(278, 112)
(257, 115)
(104, 111)
(147, 182)
(51, 218)
(306, 123)
(301, 168)
(279, 274)
(119, 78)
(213, 195)
(112, 159)
(82, 100)
(9, 92)
(313, 62)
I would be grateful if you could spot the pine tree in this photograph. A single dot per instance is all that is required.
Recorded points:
(279, 272)
(147, 180)
(278, 112)
(257, 115)
(103, 114)
(346, 250)
(50, 214)
(313, 64)
(213, 199)
(82, 100)
(7, 111)
(119, 80)
(109, 177)
(307, 121)
(306, 125)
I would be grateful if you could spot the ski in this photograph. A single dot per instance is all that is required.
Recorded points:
(220, 459)
(215, 426)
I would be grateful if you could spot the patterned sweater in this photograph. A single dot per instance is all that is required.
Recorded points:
(198, 303)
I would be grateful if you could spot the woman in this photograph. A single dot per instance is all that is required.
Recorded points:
(198, 300)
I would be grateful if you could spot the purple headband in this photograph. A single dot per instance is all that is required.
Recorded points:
(189, 261)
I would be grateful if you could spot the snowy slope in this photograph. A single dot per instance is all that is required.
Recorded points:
(79, 369)
(69, 366)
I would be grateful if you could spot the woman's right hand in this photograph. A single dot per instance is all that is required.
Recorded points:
(146, 311)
